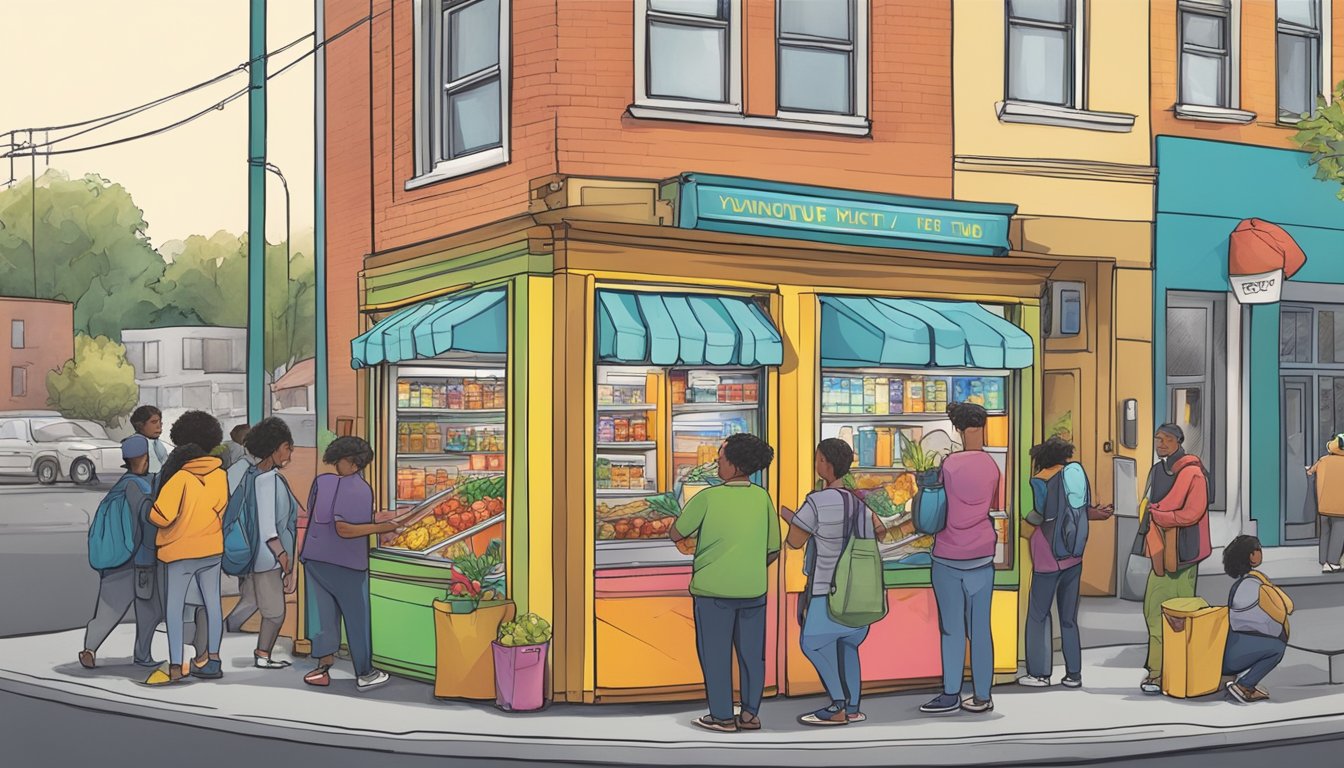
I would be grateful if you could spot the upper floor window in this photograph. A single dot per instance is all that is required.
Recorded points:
(822, 57)
(151, 357)
(1207, 57)
(193, 351)
(462, 86)
(18, 381)
(16, 339)
(1045, 52)
(688, 53)
(1299, 30)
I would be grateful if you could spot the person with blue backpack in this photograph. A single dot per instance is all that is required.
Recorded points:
(260, 531)
(1056, 528)
(116, 542)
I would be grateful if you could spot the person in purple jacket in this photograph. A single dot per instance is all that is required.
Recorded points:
(963, 565)
(335, 556)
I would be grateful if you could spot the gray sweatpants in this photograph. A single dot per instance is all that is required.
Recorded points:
(116, 595)
(263, 592)
(204, 572)
(1332, 539)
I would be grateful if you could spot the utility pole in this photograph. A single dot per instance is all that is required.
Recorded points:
(256, 214)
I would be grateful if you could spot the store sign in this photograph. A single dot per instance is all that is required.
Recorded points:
(1263, 288)
(818, 215)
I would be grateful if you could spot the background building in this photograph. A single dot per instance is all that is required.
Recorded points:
(41, 339)
(191, 368)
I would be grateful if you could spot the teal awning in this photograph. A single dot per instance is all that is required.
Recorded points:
(861, 332)
(475, 322)
(684, 329)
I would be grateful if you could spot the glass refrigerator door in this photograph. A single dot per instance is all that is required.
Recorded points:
(448, 438)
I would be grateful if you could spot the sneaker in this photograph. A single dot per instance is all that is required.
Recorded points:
(943, 704)
(1072, 681)
(1331, 568)
(320, 677)
(857, 717)
(210, 670)
(266, 662)
(976, 706)
(710, 724)
(1239, 693)
(831, 715)
(372, 680)
(1151, 685)
(1032, 681)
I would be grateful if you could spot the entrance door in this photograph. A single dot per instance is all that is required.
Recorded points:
(1299, 508)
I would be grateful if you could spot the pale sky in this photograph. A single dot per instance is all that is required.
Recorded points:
(78, 59)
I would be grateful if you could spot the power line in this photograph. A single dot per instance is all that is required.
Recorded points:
(34, 150)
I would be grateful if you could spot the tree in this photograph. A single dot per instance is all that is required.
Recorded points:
(1323, 136)
(91, 250)
(97, 385)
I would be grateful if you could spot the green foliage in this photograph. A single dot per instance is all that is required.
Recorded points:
(92, 251)
(1323, 137)
(528, 629)
(97, 385)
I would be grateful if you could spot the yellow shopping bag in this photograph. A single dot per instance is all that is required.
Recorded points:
(464, 667)
(1194, 635)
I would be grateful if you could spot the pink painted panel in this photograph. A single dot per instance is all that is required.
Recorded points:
(903, 646)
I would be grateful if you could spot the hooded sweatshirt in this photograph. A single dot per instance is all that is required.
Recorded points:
(188, 509)
(1184, 506)
(1329, 472)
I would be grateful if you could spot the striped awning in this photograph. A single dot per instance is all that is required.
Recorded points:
(862, 332)
(475, 322)
(684, 329)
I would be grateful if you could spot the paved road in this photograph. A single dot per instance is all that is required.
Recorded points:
(45, 581)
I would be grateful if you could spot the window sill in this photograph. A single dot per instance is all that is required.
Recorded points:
(1214, 114)
(791, 121)
(452, 169)
(1029, 113)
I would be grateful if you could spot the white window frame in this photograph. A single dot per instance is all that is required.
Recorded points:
(1232, 113)
(859, 74)
(428, 63)
(1323, 35)
(1077, 39)
(642, 98)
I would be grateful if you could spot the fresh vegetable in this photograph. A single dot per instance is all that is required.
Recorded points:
(528, 629)
(702, 473)
(878, 501)
(915, 458)
(665, 504)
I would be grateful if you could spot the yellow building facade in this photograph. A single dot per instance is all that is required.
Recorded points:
(1052, 115)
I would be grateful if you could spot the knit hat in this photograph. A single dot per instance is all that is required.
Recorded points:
(1174, 431)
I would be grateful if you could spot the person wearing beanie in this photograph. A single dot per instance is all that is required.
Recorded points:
(1329, 475)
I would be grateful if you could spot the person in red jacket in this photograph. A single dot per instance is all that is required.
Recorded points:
(1174, 534)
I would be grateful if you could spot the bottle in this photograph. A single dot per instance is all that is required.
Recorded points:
(867, 447)
(886, 440)
(639, 429)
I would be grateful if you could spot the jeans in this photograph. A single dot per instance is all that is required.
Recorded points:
(336, 594)
(1060, 587)
(116, 595)
(1332, 539)
(964, 598)
(833, 649)
(204, 572)
(263, 591)
(1160, 589)
(722, 625)
(1253, 655)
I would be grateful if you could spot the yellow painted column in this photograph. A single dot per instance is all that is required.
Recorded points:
(540, 464)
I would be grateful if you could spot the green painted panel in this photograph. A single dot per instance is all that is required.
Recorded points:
(484, 267)
(403, 632)
(387, 564)
(1266, 425)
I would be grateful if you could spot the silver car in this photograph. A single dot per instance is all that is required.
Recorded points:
(51, 447)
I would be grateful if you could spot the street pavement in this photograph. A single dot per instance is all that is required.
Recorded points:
(45, 580)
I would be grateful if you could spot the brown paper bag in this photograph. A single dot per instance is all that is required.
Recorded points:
(464, 666)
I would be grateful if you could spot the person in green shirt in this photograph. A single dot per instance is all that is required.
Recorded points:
(737, 538)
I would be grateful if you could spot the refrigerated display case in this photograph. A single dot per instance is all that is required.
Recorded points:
(896, 421)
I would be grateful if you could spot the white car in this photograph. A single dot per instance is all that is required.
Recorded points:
(49, 446)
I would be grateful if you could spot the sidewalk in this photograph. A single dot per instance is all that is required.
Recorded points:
(1108, 719)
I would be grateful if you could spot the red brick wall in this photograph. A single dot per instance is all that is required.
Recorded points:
(49, 341)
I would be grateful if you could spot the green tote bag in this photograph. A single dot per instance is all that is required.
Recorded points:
(858, 596)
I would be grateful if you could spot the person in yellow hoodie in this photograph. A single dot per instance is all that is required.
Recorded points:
(1329, 474)
(1258, 621)
(192, 494)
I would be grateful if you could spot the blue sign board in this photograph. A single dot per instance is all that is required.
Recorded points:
(748, 206)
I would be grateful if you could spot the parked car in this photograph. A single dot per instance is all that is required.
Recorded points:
(49, 446)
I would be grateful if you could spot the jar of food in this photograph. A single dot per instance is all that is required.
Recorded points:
(495, 462)
(473, 397)
(403, 438)
(478, 463)
(454, 394)
(416, 441)
(639, 429)
(433, 439)
(606, 429)
(636, 477)
(621, 430)
(620, 475)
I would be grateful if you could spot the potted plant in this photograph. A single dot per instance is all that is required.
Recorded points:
(520, 663)
(922, 462)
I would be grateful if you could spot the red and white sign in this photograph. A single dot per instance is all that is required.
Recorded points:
(1260, 256)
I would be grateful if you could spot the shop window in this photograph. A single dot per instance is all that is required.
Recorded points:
(16, 336)
(1299, 36)
(18, 381)
(1196, 380)
(1045, 52)
(1295, 335)
(462, 84)
(1064, 309)
(1207, 60)
(688, 54)
(1330, 337)
(822, 53)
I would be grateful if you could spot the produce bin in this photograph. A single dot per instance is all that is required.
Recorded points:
(520, 677)
(1194, 635)
(464, 666)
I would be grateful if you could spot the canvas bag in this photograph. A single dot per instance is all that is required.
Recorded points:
(114, 534)
(241, 532)
(1065, 525)
(858, 595)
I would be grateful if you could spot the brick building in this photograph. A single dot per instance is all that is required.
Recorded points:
(41, 339)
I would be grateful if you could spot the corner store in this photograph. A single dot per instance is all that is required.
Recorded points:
(625, 632)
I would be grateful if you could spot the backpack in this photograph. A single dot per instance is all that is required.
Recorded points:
(240, 527)
(114, 534)
(929, 507)
(1065, 526)
(858, 596)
